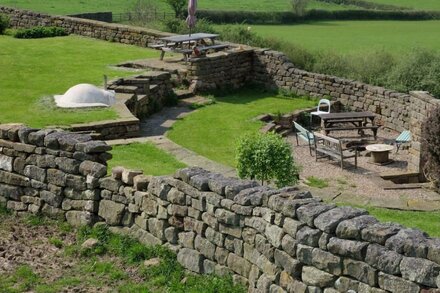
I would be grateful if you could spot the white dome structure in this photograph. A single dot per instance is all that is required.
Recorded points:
(85, 95)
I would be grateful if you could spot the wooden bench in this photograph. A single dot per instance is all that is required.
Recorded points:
(304, 134)
(213, 47)
(330, 147)
(186, 52)
(374, 128)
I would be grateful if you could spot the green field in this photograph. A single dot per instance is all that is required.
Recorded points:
(415, 4)
(228, 119)
(31, 70)
(71, 7)
(357, 36)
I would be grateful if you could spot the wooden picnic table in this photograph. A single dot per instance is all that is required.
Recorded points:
(182, 44)
(350, 121)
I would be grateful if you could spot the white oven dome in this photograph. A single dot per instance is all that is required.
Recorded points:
(85, 95)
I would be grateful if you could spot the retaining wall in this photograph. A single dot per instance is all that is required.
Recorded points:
(271, 240)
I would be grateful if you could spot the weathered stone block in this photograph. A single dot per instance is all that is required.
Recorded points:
(289, 264)
(351, 229)
(6, 163)
(396, 284)
(191, 260)
(111, 212)
(157, 228)
(214, 236)
(380, 232)
(383, 259)
(348, 248)
(308, 213)
(239, 265)
(79, 218)
(308, 236)
(314, 277)
(329, 220)
(205, 247)
(274, 235)
(360, 271)
(419, 270)
(93, 169)
(326, 261)
(291, 226)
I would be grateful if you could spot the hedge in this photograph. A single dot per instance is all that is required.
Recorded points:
(40, 32)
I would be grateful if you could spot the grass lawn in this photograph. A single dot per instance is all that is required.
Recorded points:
(425, 221)
(418, 5)
(76, 6)
(357, 36)
(146, 157)
(33, 69)
(213, 131)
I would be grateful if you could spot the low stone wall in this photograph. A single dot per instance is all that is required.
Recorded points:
(89, 28)
(271, 240)
(223, 70)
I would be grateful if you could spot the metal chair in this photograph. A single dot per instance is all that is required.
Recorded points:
(323, 103)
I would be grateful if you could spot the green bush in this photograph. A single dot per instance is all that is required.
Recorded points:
(366, 4)
(417, 70)
(179, 26)
(266, 157)
(40, 32)
(4, 23)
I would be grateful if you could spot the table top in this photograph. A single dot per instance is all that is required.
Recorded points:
(187, 38)
(379, 147)
(347, 115)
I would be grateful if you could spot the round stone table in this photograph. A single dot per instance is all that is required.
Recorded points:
(380, 153)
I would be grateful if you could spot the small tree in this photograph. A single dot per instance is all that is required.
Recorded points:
(299, 6)
(4, 23)
(431, 147)
(178, 7)
(266, 157)
(143, 12)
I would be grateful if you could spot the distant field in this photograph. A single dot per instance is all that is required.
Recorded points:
(354, 36)
(415, 4)
(117, 6)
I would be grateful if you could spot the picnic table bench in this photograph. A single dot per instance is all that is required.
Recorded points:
(183, 44)
(356, 121)
(326, 146)
(304, 134)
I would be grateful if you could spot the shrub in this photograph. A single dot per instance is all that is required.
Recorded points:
(431, 147)
(265, 157)
(417, 70)
(40, 32)
(299, 6)
(179, 26)
(4, 23)
(178, 6)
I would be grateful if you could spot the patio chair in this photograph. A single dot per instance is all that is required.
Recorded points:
(323, 103)
(403, 137)
(305, 135)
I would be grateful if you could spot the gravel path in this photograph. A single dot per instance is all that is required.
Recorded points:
(363, 185)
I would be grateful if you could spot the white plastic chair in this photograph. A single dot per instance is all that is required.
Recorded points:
(322, 104)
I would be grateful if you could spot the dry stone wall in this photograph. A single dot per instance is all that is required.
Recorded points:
(84, 27)
(223, 70)
(271, 240)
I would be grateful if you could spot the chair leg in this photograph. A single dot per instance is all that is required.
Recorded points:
(356, 159)
(342, 163)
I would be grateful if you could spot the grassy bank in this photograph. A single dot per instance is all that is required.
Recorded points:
(145, 157)
(34, 69)
(213, 131)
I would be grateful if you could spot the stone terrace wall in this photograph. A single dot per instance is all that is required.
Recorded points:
(271, 240)
(223, 70)
(51, 171)
(89, 28)
(394, 110)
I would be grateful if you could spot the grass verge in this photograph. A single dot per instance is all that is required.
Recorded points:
(213, 131)
(145, 157)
